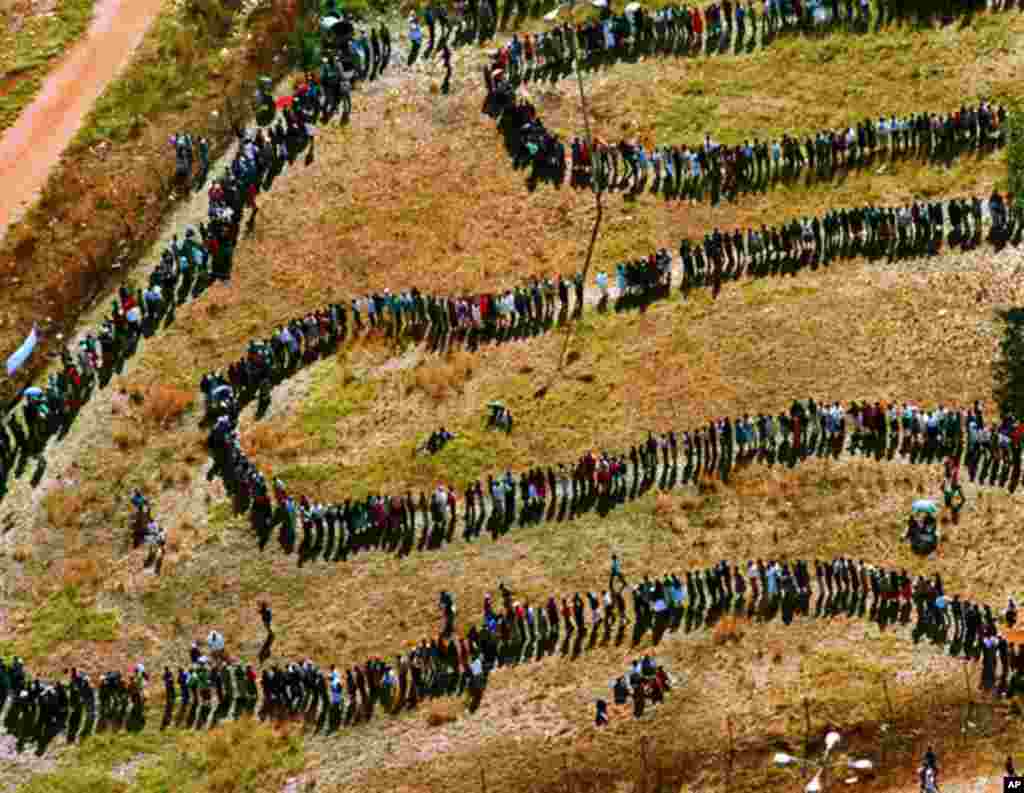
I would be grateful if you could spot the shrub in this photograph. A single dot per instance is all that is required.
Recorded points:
(1015, 154)
(64, 507)
(727, 630)
(1008, 368)
(164, 404)
(439, 379)
(441, 713)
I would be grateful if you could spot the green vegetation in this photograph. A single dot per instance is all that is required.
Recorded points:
(332, 399)
(29, 44)
(241, 757)
(1008, 368)
(181, 69)
(1015, 154)
(66, 618)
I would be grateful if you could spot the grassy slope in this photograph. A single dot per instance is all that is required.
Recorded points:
(753, 349)
(31, 41)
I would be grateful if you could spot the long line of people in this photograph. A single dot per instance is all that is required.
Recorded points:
(445, 321)
(514, 630)
(399, 523)
(710, 170)
(186, 268)
(916, 229)
(897, 232)
(691, 30)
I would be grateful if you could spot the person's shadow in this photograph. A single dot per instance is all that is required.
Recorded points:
(266, 648)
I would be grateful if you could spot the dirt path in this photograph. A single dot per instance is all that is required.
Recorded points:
(30, 148)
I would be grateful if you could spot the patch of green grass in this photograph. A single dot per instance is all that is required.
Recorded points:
(74, 780)
(330, 400)
(183, 67)
(312, 473)
(28, 47)
(66, 618)
(239, 756)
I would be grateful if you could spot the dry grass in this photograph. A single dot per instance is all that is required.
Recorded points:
(127, 435)
(754, 349)
(163, 405)
(443, 377)
(83, 574)
(64, 507)
(346, 428)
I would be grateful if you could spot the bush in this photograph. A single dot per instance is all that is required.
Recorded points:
(439, 379)
(1008, 368)
(441, 713)
(727, 630)
(164, 404)
(1015, 154)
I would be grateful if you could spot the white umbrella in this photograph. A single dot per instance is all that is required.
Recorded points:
(599, 3)
(632, 8)
(329, 22)
(830, 741)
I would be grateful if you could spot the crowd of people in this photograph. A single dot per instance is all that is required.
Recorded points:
(711, 170)
(916, 229)
(187, 266)
(517, 631)
(720, 27)
(513, 630)
(951, 435)
(445, 321)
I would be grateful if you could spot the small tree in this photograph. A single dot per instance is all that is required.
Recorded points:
(1008, 368)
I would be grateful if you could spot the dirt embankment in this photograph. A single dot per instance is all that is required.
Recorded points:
(30, 148)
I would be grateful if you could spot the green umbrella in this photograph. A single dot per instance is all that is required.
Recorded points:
(925, 505)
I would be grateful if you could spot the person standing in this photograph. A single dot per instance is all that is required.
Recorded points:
(616, 573)
(169, 686)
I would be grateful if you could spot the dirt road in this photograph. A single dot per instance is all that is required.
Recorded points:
(30, 148)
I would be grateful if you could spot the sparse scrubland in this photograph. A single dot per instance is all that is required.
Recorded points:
(418, 191)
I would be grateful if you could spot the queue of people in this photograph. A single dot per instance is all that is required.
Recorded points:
(709, 170)
(989, 447)
(187, 266)
(513, 630)
(720, 27)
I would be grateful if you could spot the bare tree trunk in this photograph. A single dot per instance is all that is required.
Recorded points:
(598, 217)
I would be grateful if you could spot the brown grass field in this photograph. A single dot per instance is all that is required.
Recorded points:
(419, 191)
